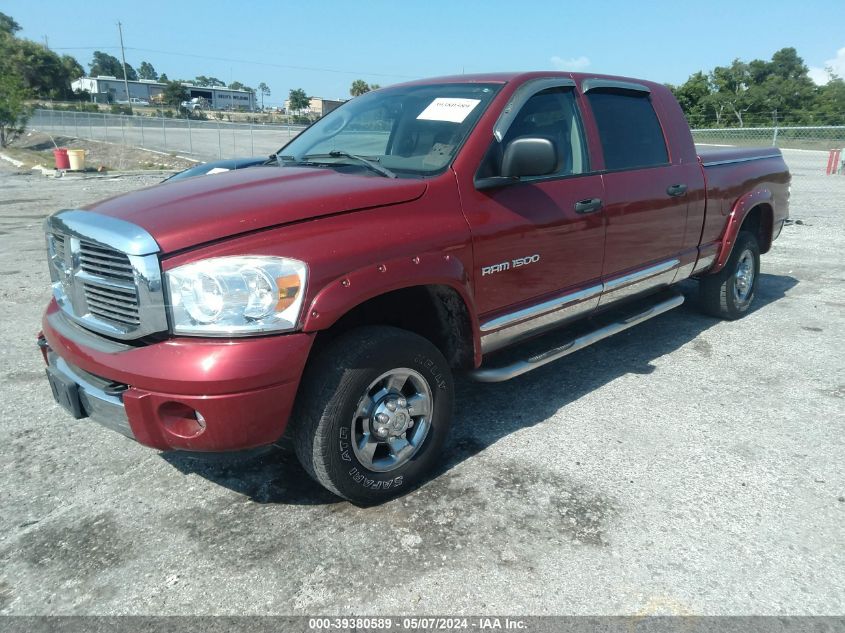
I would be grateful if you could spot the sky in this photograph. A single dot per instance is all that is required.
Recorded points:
(323, 45)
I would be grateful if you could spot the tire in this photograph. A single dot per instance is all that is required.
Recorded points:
(347, 436)
(729, 293)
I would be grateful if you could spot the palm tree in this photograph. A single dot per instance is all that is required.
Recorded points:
(359, 87)
(263, 89)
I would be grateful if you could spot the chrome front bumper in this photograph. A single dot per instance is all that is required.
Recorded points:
(104, 408)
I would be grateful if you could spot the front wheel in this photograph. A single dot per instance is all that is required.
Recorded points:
(374, 410)
(729, 293)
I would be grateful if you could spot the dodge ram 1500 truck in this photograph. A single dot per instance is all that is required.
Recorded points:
(329, 293)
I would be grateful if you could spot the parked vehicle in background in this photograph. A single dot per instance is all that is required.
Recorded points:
(328, 294)
(197, 103)
(134, 101)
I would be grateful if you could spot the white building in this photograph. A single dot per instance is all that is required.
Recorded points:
(105, 89)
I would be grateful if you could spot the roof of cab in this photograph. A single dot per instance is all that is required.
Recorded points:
(505, 77)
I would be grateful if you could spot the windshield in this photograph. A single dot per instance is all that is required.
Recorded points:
(409, 131)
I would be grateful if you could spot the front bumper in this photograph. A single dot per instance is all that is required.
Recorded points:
(180, 394)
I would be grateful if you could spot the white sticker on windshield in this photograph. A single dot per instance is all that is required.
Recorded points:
(444, 109)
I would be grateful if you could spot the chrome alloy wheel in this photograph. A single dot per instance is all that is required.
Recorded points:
(744, 276)
(392, 420)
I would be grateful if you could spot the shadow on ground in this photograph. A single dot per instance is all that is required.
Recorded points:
(485, 413)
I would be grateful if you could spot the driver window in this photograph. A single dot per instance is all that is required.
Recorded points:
(552, 114)
(366, 134)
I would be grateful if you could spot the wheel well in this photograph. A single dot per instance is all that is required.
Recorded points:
(759, 222)
(437, 313)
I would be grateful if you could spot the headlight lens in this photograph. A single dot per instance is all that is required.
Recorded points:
(226, 296)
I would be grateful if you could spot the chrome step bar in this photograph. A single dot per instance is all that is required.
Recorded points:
(500, 374)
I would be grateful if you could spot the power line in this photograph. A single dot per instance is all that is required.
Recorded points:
(263, 63)
(243, 61)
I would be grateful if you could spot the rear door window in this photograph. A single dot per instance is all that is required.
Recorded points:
(630, 133)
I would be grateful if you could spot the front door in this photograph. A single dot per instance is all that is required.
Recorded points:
(541, 239)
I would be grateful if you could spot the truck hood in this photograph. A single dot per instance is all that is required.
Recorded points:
(186, 213)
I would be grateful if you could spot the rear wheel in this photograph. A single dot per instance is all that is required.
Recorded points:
(729, 293)
(373, 413)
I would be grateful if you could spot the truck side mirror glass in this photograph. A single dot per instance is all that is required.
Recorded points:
(529, 156)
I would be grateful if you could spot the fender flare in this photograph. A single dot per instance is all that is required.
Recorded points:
(741, 208)
(345, 293)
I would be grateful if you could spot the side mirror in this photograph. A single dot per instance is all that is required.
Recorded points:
(529, 156)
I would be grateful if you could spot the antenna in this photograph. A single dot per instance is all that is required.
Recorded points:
(123, 57)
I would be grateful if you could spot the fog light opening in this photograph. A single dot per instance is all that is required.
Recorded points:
(181, 420)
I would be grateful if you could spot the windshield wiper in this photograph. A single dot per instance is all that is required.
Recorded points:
(336, 153)
(280, 157)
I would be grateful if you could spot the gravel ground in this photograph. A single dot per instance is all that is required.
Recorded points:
(36, 148)
(686, 466)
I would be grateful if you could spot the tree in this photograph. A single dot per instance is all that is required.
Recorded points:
(8, 24)
(298, 100)
(358, 87)
(758, 92)
(110, 66)
(236, 85)
(146, 71)
(163, 78)
(375, 86)
(14, 112)
(263, 89)
(174, 93)
(733, 83)
(829, 106)
(691, 96)
(211, 82)
(43, 72)
(73, 69)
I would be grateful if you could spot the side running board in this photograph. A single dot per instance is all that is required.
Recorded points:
(500, 374)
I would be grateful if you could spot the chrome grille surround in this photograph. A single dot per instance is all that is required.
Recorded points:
(105, 273)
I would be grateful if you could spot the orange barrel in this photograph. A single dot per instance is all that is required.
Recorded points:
(60, 154)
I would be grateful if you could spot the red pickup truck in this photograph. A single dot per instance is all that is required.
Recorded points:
(328, 294)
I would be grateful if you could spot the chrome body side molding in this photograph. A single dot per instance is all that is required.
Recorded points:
(510, 328)
(500, 374)
(731, 161)
(638, 282)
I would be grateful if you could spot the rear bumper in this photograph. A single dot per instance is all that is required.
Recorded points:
(181, 394)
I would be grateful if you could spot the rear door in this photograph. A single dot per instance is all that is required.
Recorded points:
(645, 195)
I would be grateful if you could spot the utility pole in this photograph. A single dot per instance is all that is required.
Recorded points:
(46, 42)
(123, 56)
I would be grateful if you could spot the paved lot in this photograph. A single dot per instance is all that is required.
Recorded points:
(686, 466)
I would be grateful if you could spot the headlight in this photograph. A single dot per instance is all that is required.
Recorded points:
(231, 296)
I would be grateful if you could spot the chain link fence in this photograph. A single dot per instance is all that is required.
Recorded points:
(211, 140)
(202, 140)
(818, 138)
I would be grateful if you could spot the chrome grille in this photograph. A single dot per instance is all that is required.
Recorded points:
(115, 302)
(59, 246)
(99, 260)
(111, 304)
(106, 274)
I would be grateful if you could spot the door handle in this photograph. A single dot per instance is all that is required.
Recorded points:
(676, 190)
(588, 206)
